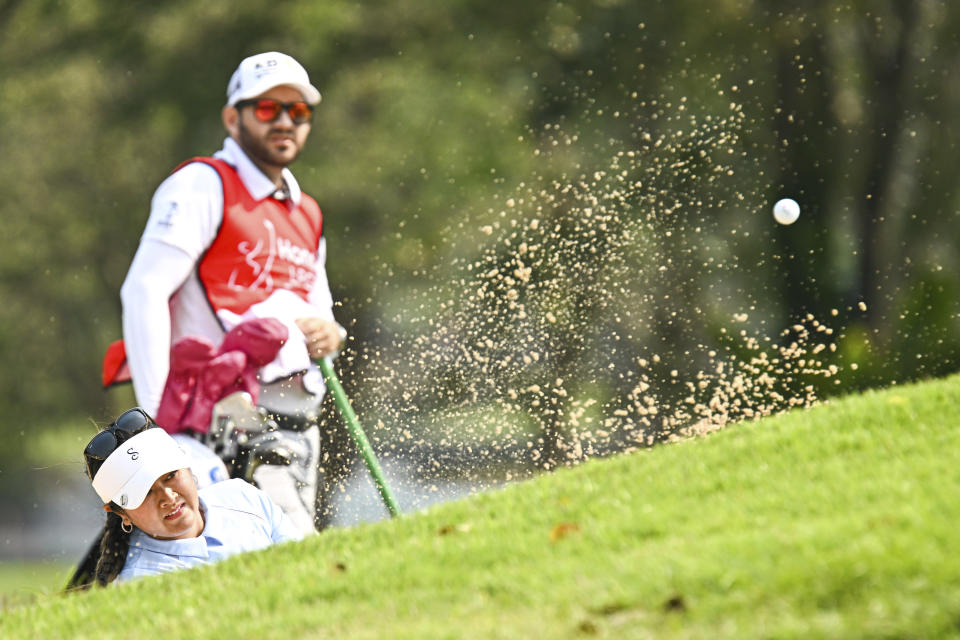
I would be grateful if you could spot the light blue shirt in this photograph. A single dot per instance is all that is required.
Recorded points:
(238, 517)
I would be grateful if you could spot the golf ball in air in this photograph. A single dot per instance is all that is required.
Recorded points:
(786, 211)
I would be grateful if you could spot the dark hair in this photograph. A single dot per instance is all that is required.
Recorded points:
(108, 555)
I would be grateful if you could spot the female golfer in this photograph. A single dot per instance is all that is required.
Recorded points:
(157, 520)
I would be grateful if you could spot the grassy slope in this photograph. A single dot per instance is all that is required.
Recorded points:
(839, 522)
(25, 581)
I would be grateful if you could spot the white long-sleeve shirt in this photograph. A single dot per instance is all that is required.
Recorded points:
(162, 298)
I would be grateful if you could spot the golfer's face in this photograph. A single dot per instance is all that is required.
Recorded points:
(171, 509)
(278, 142)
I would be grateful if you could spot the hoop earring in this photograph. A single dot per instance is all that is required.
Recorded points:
(124, 528)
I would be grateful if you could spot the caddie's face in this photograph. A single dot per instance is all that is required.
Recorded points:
(277, 143)
(171, 509)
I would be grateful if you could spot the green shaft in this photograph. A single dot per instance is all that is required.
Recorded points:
(356, 431)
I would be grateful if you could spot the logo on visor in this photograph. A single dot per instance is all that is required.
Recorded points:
(133, 453)
(124, 500)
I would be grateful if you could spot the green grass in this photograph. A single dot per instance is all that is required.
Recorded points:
(838, 522)
(22, 582)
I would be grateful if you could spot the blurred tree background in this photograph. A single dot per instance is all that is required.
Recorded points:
(541, 213)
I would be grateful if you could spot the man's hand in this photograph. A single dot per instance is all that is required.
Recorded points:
(323, 336)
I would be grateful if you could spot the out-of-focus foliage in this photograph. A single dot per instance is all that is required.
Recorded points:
(437, 114)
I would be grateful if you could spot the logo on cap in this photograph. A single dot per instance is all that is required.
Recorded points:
(124, 500)
(264, 68)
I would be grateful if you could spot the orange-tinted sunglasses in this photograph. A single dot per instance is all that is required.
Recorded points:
(267, 110)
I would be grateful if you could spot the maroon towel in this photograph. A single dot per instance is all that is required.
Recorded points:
(260, 339)
(202, 374)
(216, 381)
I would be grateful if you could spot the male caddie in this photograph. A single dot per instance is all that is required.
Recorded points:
(232, 237)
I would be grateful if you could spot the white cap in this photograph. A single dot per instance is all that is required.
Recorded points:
(127, 474)
(264, 71)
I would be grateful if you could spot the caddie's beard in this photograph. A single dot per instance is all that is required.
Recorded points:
(260, 150)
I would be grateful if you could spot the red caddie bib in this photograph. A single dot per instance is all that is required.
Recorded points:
(261, 246)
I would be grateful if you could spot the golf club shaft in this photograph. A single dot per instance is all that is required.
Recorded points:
(356, 431)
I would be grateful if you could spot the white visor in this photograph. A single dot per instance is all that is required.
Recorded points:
(128, 473)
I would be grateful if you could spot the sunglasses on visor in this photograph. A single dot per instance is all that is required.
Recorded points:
(128, 424)
(266, 110)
